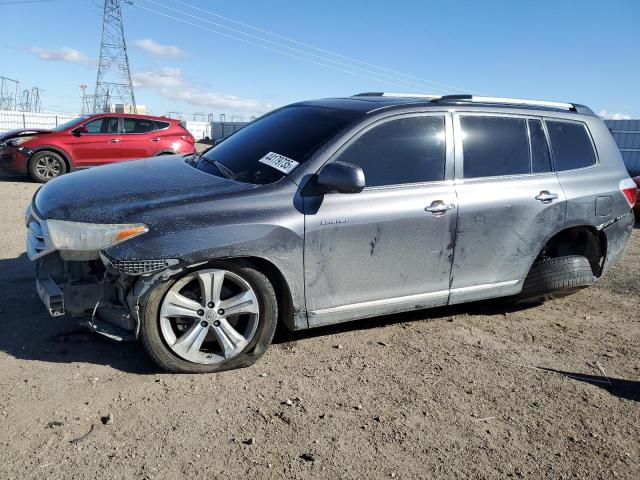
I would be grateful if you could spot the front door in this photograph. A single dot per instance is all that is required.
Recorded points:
(510, 203)
(389, 247)
(101, 144)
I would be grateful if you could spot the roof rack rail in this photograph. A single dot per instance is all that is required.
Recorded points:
(390, 94)
(574, 107)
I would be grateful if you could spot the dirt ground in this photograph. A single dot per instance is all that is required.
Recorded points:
(476, 391)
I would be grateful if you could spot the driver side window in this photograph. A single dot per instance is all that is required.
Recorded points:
(103, 125)
(402, 151)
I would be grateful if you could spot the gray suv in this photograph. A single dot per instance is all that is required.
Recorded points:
(333, 210)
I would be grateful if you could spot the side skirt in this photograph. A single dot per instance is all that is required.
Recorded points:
(374, 308)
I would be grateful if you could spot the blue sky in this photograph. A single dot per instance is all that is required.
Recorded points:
(583, 51)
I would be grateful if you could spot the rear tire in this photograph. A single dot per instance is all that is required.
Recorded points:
(46, 165)
(555, 278)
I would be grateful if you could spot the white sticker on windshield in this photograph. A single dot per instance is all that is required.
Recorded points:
(279, 162)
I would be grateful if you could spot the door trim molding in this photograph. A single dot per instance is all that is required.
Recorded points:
(412, 298)
(383, 302)
(485, 286)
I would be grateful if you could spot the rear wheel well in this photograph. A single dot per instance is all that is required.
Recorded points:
(581, 240)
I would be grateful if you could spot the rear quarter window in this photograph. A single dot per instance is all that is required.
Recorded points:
(571, 145)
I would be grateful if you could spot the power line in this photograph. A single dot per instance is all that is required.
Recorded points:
(289, 39)
(350, 66)
(272, 49)
(249, 42)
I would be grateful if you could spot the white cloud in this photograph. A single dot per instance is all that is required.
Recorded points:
(170, 84)
(158, 50)
(165, 78)
(613, 115)
(64, 54)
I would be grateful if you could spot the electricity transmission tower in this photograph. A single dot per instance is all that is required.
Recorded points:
(30, 101)
(9, 93)
(114, 77)
(87, 100)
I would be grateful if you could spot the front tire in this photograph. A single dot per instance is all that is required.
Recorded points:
(555, 278)
(212, 319)
(45, 166)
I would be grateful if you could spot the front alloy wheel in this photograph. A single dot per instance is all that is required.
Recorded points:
(45, 166)
(199, 326)
(210, 319)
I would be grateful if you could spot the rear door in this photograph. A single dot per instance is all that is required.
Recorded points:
(100, 145)
(140, 138)
(389, 247)
(510, 202)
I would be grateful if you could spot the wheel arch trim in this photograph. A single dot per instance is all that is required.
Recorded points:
(287, 314)
(52, 148)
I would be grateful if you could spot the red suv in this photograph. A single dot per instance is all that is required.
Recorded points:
(91, 140)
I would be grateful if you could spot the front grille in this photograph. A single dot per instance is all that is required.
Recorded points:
(138, 267)
(38, 243)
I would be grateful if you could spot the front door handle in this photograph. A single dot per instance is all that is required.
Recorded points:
(156, 139)
(546, 197)
(114, 140)
(438, 207)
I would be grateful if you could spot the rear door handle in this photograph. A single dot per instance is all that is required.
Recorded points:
(546, 197)
(156, 139)
(438, 207)
(114, 140)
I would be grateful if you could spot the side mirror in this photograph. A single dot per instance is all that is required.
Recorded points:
(80, 130)
(341, 177)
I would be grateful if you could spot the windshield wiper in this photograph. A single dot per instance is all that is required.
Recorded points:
(226, 171)
(195, 156)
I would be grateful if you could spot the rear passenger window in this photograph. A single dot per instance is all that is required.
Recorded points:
(571, 145)
(408, 150)
(494, 146)
(161, 125)
(134, 125)
(540, 158)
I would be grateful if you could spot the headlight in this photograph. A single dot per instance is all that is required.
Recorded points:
(90, 237)
(16, 142)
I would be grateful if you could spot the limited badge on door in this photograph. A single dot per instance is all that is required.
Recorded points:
(279, 162)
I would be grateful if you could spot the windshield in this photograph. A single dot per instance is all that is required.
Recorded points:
(273, 146)
(70, 123)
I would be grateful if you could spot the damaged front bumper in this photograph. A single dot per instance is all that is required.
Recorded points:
(14, 159)
(87, 289)
(105, 292)
(93, 285)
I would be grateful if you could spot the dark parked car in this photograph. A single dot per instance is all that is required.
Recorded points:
(329, 211)
(91, 140)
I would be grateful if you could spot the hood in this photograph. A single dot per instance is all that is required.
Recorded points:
(22, 132)
(114, 193)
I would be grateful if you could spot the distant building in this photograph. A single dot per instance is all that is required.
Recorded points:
(221, 130)
(120, 108)
(627, 136)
